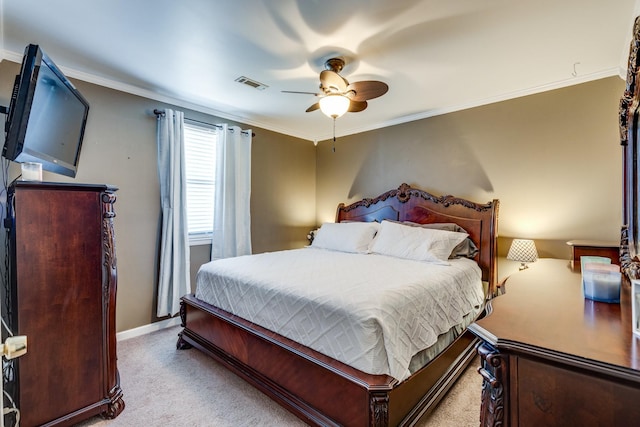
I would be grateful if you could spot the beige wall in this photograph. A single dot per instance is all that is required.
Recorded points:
(120, 149)
(552, 159)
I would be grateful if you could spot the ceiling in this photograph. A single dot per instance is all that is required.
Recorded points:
(437, 56)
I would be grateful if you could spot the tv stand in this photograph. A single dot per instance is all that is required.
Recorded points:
(62, 296)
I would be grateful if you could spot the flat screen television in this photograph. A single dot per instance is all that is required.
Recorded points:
(47, 116)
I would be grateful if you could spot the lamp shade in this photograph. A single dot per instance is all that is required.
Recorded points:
(523, 250)
(334, 105)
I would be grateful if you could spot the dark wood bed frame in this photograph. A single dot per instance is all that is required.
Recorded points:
(320, 390)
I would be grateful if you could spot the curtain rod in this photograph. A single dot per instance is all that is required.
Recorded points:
(160, 113)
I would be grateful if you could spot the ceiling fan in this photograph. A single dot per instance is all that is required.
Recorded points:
(338, 96)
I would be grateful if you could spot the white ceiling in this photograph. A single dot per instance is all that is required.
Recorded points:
(436, 56)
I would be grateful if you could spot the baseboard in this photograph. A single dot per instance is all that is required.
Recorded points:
(147, 329)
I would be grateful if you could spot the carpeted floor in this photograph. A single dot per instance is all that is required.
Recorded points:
(167, 387)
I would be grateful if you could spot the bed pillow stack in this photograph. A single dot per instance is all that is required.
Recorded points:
(465, 249)
(429, 243)
(416, 243)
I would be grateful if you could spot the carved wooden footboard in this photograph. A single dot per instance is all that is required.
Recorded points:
(319, 390)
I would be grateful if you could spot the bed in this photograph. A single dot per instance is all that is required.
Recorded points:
(306, 379)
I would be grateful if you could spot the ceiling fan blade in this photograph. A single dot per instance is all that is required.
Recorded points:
(367, 89)
(314, 107)
(357, 106)
(303, 93)
(332, 81)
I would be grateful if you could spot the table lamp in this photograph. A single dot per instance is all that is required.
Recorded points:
(523, 250)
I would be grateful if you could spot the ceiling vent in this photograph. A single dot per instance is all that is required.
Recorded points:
(254, 84)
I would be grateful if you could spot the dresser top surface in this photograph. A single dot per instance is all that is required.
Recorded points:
(65, 186)
(544, 308)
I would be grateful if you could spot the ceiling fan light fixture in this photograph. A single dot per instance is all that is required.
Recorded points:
(334, 105)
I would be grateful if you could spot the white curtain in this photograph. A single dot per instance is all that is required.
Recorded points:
(174, 278)
(232, 218)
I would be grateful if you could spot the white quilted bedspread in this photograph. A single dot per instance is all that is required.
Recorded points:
(371, 312)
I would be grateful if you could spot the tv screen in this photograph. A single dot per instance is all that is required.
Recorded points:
(47, 116)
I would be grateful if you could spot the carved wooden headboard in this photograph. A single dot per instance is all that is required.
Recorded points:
(411, 204)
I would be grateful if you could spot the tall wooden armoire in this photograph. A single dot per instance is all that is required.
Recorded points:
(61, 294)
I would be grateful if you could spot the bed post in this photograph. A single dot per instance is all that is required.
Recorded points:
(182, 344)
(379, 409)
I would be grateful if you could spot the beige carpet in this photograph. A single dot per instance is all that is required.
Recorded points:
(167, 387)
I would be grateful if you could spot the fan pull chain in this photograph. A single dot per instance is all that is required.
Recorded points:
(334, 135)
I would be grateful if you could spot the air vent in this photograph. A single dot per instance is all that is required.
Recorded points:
(254, 84)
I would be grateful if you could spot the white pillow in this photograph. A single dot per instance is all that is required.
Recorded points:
(346, 236)
(416, 243)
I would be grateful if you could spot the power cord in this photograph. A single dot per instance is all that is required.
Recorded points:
(12, 410)
(8, 368)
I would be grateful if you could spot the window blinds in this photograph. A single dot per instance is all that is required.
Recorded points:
(200, 154)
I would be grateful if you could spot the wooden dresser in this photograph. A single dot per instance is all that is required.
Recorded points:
(595, 248)
(62, 294)
(550, 357)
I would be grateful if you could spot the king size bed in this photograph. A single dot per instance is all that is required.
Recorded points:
(367, 326)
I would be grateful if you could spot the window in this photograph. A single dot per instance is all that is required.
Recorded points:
(200, 157)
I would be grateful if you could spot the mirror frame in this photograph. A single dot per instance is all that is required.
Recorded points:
(629, 112)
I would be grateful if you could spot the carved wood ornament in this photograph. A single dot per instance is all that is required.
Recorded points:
(493, 367)
(379, 410)
(405, 192)
(115, 404)
(628, 114)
